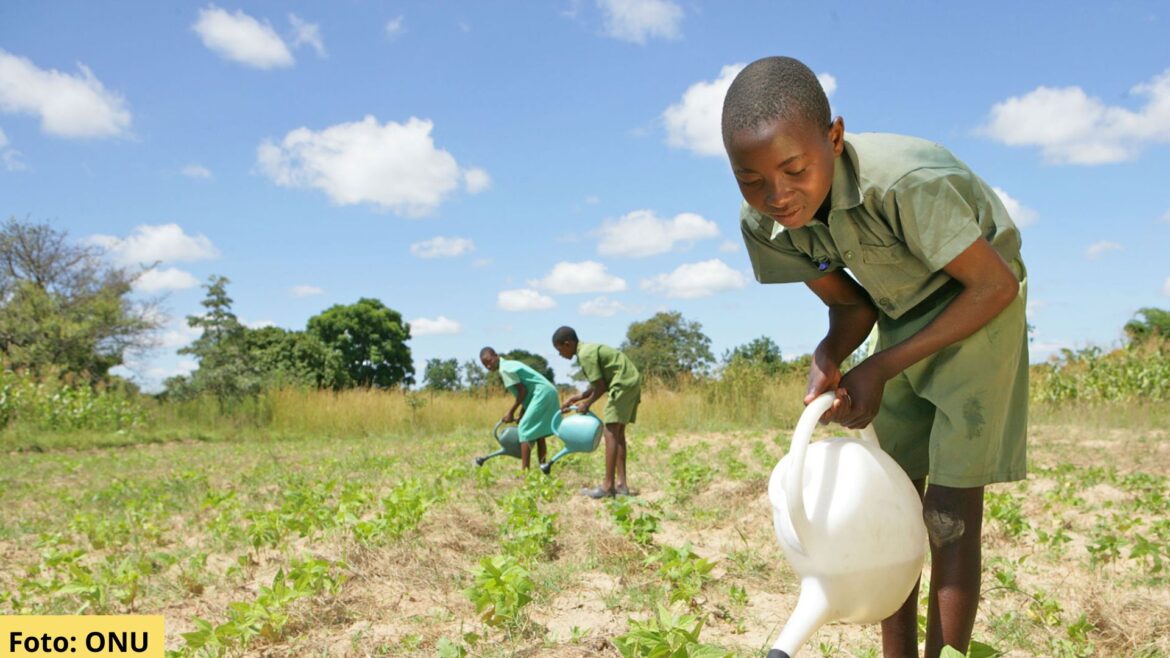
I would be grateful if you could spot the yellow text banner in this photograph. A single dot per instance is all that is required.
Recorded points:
(81, 635)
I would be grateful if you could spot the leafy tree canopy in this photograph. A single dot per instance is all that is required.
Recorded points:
(441, 375)
(371, 339)
(761, 353)
(63, 309)
(1153, 322)
(667, 346)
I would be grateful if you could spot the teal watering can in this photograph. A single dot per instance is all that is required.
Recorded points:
(579, 432)
(509, 441)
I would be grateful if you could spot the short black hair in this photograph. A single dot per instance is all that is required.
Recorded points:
(774, 88)
(486, 350)
(564, 334)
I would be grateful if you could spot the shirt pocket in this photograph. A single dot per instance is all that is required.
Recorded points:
(896, 256)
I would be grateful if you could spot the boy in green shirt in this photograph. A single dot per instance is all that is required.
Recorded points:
(608, 371)
(934, 259)
(536, 393)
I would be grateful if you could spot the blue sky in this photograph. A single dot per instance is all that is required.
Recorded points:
(495, 170)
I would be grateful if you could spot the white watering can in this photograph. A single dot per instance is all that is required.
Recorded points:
(850, 522)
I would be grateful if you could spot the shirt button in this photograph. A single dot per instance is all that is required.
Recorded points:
(885, 303)
(848, 255)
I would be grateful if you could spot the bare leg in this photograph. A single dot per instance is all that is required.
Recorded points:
(900, 630)
(611, 453)
(954, 523)
(619, 434)
(525, 454)
(541, 450)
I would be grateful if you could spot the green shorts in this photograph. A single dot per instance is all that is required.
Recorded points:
(959, 416)
(622, 405)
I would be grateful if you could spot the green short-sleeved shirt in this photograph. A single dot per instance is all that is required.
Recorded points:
(901, 209)
(622, 380)
(541, 403)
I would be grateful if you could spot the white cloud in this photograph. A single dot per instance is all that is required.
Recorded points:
(635, 20)
(394, 166)
(195, 170)
(159, 279)
(306, 33)
(1166, 217)
(602, 307)
(694, 122)
(179, 335)
(1021, 214)
(1071, 127)
(1098, 249)
(729, 247)
(257, 324)
(586, 276)
(166, 243)
(183, 367)
(642, 233)
(476, 180)
(481, 262)
(828, 83)
(1166, 287)
(592, 200)
(695, 280)
(68, 105)
(10, 157)
(442, 247)
(305, 290)
(395, 27)
(524, 299)
(440, 326)
(241, 38)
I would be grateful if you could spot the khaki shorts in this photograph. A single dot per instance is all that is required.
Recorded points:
(621, 405)
(959, 416)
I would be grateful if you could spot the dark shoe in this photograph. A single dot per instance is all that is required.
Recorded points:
(596, 492)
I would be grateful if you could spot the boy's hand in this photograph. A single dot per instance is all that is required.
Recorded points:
(862, 388)
(508, 419)
(824, 375)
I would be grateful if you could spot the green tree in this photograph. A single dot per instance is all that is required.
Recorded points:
(761, 353)
(63, 309)
(371, 339)
(441, 375)
(1154, 323)
(667, 346)
(295, 358)
(474, 374)
(226, 369)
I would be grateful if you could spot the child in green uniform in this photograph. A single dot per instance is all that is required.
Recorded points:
(536, 393)
(934, 260)
(608, 371)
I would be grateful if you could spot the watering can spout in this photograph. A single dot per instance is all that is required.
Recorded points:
(811, 612)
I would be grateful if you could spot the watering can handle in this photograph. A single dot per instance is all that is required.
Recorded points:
(496, 430)
(794, 478)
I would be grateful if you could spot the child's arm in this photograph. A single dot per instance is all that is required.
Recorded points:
(851, 318)
(989, 286)
(586, 399)
(521, 393)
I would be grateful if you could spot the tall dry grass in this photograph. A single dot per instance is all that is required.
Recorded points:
(743, 400)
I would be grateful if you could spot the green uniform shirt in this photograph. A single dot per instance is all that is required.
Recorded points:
(901, 209)
(604, 362)
(514, 372)
(541, 403)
